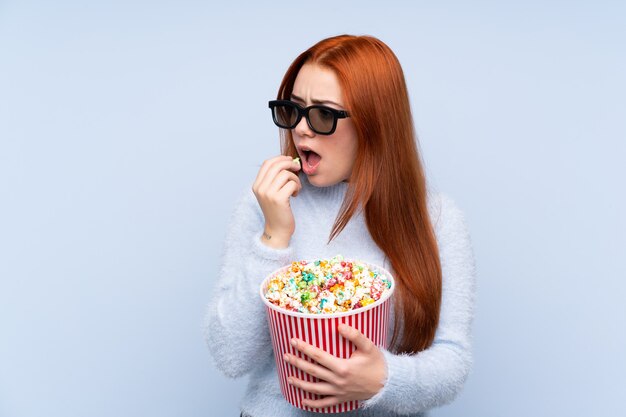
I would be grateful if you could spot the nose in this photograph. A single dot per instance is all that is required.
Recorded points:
(303, 129)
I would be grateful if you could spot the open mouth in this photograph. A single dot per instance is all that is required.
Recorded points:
(310, 159)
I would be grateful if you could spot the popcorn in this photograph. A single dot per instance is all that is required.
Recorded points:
(326, 286)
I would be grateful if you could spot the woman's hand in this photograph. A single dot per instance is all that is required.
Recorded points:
(357, 378)
(274, 185)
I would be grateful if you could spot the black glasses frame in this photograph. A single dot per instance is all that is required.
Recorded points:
(304, 112)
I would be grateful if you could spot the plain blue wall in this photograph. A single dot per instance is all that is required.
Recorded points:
(127, 129)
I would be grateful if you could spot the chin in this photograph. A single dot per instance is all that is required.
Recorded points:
(317, 181)
(321, 181)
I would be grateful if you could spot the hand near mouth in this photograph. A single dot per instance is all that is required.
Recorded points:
(275, 184)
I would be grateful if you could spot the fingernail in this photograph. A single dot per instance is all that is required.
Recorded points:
(294, 342)
(285, 357)
(290, 381)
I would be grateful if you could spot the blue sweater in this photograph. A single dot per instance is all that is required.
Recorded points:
(236, 329)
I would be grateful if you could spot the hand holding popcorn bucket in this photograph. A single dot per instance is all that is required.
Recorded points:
(320, 329)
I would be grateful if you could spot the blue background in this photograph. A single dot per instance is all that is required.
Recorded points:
(128, 128)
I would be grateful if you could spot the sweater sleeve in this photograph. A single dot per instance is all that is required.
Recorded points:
(235, 324)
(434, 376)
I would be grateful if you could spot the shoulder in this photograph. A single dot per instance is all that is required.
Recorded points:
(455, 246)
(446, 216)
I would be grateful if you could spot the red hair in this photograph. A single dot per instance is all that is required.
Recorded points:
(387, 178)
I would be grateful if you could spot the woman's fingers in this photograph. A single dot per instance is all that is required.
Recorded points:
(310, 368)
(274, 171)
(320, 356)
(322, 402)
(319, 388)
(276, 177)
(285, 185)
(281, 179)
(361, 342)
(267, 164)
(288, 190)
(357, 378)
(275, 183)
(270, 169)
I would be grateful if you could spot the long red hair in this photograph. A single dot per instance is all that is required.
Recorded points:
(387, 178)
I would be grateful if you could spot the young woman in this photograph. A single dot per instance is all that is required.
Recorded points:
(359, 191)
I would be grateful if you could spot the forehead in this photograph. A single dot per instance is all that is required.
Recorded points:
(316, 82)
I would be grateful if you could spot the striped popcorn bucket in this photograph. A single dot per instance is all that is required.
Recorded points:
(321, 330)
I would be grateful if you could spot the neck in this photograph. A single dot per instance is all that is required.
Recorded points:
(332, 191)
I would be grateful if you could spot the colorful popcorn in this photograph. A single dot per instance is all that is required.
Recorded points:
(326, 286)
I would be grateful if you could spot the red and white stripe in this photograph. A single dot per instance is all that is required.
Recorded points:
(321, 331)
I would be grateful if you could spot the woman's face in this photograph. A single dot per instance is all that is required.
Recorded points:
(326, 159)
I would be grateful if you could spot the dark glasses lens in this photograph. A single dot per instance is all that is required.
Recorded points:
(285, 116)
(321, 119)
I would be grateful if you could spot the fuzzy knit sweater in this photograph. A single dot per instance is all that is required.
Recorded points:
(236, 329)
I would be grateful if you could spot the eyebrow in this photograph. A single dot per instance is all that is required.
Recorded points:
(293, 96)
